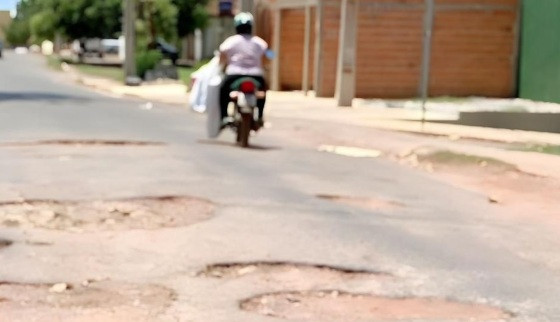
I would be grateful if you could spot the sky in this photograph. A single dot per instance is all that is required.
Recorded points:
(8, 5)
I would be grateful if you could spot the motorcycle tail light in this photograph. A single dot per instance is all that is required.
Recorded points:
(247, 87)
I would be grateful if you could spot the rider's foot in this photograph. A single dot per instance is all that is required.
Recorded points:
(226, 121)
(259, 124)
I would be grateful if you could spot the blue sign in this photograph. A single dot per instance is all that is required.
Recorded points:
(225, 7)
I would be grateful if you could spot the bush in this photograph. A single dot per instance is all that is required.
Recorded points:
(146, 60)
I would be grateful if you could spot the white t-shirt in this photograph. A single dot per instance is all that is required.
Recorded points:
(244, 54)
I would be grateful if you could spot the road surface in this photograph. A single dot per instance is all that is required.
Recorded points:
(435, 240)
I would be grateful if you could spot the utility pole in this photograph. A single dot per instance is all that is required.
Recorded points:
(129, 30)
(426, 56)
(346, 69)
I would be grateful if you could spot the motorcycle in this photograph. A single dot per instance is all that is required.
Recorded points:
(245, 93)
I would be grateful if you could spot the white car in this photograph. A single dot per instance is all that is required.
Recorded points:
(21, 50)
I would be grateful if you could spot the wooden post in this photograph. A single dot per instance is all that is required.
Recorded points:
(346, 69)
(275, 82)
(306, 53)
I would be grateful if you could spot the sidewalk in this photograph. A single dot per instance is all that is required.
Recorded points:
(174, 93)
(294, 105)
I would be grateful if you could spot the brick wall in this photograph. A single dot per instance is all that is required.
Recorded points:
(292, 37)
(473, 48)
(329, 48)
(291, 48)
(474, 51)
(389, 54)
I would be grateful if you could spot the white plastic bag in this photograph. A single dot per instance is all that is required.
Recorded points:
(201, 78)
(214, 117)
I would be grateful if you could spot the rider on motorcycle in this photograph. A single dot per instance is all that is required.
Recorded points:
(243, 54)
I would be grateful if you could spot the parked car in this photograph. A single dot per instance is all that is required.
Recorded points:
(168, 51)
(21, 50)
(110, 46)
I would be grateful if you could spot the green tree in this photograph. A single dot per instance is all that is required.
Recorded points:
(18, 33)
(160, 17)
(43, 26)
(89, 18)
(192, 14)
(41, 19)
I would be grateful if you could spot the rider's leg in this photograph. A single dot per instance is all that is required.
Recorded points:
(225, 90)
(261, 101)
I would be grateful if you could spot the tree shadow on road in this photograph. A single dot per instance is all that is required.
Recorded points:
(38, 96)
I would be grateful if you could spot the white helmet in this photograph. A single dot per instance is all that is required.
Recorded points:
(243, 18)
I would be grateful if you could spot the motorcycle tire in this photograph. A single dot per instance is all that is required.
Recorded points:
(244, 130)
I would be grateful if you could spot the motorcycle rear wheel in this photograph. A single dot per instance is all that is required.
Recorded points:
(244, 130)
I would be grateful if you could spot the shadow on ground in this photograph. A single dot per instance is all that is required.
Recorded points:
(38, 96)
(230, 144)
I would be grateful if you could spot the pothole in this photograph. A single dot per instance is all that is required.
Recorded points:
(85, 143)
(234, 270)
(295, 275)
(363, 202)
(96, 301)
(5, 243)
(138, 213)
(341, 306)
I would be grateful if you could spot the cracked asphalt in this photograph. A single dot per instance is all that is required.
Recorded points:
(444, 242)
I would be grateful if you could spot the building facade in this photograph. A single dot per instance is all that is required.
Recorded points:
(390, 48)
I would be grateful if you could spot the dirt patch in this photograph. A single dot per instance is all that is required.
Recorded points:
(84, 143)
(443, 157)
(519, 193)
(363, 202)
(540, 148)
(340, 306)
(5, 243)
(140, 213)
(98, 301)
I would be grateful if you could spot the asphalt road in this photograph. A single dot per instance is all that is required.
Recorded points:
(444, 242)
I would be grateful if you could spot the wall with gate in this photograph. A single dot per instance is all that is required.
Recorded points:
(473, 48)
(540, 51)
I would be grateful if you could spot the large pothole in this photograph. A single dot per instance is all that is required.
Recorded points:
(340, 306)
(363, 202)
(298, 276)
(139, 213)
(235, 270)
(97, 301)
